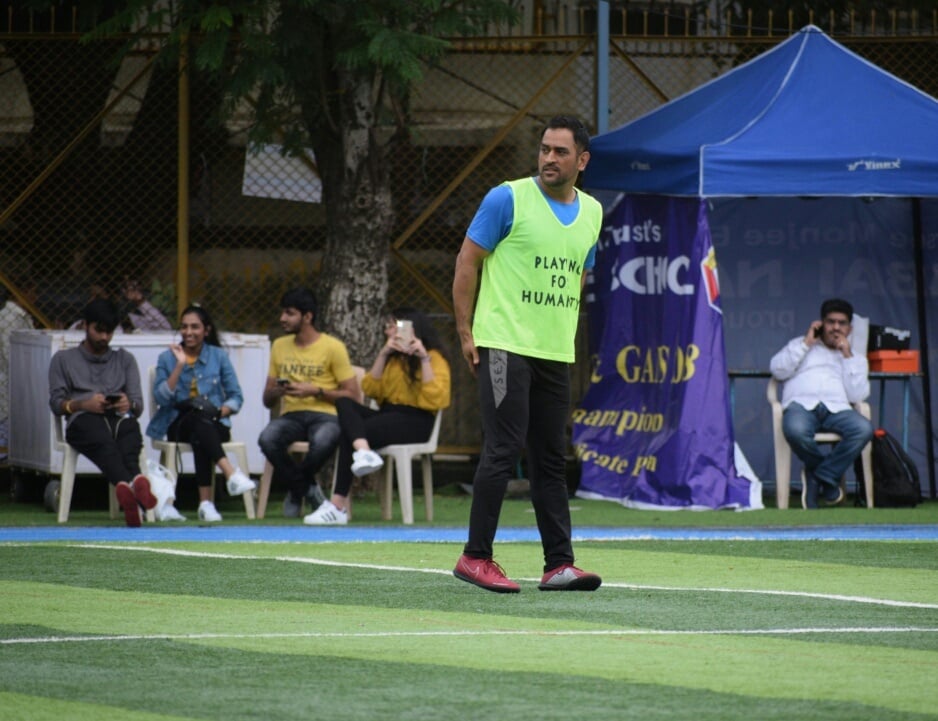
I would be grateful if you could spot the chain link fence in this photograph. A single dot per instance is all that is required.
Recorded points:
(90, 173)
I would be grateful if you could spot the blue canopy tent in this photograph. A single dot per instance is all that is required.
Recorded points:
(806, 118)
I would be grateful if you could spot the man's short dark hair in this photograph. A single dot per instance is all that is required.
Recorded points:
(837, 305)
(303, 299)
(102, 313)
(581, 136)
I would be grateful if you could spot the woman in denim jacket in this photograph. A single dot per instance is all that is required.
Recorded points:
(197, 391)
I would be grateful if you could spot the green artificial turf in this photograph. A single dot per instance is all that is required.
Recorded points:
(723, 630)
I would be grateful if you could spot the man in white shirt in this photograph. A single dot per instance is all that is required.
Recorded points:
(822, 378)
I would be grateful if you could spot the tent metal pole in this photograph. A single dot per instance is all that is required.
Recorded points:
(919, 255)
(602, 66)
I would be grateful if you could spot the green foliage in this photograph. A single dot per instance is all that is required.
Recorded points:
(295, 60)
(163, 297)
(326, 75)
(215, 18)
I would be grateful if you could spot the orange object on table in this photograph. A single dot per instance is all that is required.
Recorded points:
(894, 361)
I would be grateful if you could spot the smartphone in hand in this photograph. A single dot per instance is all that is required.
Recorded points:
(112, 398)
(283, 382)
(405, 332)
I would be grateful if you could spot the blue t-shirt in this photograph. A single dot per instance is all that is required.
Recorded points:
(492, 221)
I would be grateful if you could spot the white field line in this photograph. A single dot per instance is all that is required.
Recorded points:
(463, 634)
(445, 572)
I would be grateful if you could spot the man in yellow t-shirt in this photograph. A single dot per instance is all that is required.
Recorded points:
(309, 371)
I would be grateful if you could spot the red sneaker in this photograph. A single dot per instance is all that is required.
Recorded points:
(128, 501)
(484, 573)
(569, 578)
(141, 486)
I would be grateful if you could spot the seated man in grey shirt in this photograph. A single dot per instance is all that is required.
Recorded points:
(98, 389)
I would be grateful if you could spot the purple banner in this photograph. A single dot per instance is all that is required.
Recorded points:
(654, 428)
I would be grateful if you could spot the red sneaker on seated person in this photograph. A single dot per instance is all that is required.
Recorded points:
(128, 502)
(141, 486)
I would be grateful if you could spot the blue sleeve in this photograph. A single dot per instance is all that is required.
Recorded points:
(492, 221)
(590, 258)
(161, 392)
(233, 397)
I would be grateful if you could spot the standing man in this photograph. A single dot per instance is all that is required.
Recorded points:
(822, 379)
(97, 389)
(309, 370)
(533, 239)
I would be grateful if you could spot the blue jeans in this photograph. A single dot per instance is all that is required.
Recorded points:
(320, 430)
(800, 425)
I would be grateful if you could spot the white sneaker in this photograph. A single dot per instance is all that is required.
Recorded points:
(169, 512)
(208, 512)
(365, 462)
(239, 483)
(327, 515)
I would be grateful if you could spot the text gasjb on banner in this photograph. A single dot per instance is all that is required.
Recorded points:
(654, 428)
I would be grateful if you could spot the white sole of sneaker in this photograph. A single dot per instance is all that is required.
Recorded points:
(580, 584)
(365, 470)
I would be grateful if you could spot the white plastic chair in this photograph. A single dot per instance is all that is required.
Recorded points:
(169, 449)
(67, 477)
(400, 456)
(783, 452)
(299, 448)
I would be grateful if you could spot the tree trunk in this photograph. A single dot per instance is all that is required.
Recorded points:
(353, 284)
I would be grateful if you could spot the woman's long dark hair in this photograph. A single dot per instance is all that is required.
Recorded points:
(211, 331)
(425, 331)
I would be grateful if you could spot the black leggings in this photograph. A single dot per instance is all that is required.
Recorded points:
(205, 436)
(390, 424)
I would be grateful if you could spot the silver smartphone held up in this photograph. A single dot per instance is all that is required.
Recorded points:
(405, 331)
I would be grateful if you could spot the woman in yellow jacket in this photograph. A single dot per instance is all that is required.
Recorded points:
(410, 382)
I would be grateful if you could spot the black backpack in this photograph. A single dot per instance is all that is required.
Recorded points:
(895, 477)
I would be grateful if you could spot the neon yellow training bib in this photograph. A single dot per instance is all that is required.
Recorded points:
(529, 299)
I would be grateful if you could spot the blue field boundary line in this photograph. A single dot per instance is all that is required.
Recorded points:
(250, 533)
